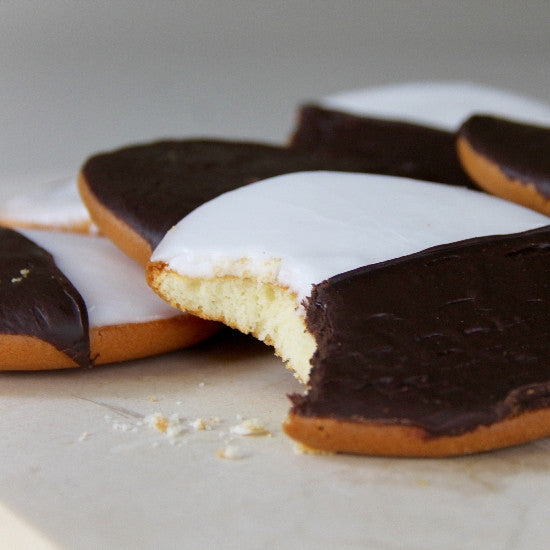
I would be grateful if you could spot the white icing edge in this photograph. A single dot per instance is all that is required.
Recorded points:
(440, 104)
(56, 204)
(112, 286)
(299, 229)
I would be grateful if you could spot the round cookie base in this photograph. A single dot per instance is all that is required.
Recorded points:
(28, 353)
(119, 232)
(109, 344)
(377, 439)
(117, 343)
(489, 177)
(85, 228)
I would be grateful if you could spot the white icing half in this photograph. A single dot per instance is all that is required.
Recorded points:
(444, 105)
(301, 228)
(57, 204)
(112, 286)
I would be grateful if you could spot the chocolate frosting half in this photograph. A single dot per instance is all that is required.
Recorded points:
(392, 147)
(522, 151)
(38, 300)
(447, 339)
(153, 186)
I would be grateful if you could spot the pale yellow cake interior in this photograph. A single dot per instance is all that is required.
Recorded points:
(267, 311)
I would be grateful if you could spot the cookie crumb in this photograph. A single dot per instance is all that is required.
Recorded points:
(251, 426)
(83, 436)
(123, 427)
(157, 421)
(199, 424)
(171, 427)
(231, 452)
(173, 432)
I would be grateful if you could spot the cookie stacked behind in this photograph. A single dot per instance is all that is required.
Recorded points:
(407, 129)
(56, 206)
(508, 159)
(136, 194)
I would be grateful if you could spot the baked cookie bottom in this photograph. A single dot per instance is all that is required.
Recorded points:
(265, 310)
(117, 343)
(378, 439)
(18, 352)
(117, 231)
(488, 176)
(86, 228)
(108, 344)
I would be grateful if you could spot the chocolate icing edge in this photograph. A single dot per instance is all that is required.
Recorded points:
(322, 399)
(39, 300)
(521, 151)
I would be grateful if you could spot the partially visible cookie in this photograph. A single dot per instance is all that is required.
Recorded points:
(508, 159)
(393, 147)
(406, 129)
(438, 104)
(440, 353)
(43, 317)
(249, 258)
(54, 206)
(72, 300)
(136, 194)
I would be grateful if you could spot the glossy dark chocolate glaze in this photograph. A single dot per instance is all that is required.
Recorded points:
(38, 300)
(153, 186)
(447, 339)
(393, 147)
(521, 151)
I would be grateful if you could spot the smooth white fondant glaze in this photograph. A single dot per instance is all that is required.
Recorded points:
(57, 204)
(301, 228)
(444, 105)
(112, 286)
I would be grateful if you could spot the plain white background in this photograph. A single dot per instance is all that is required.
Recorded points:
(81, 76)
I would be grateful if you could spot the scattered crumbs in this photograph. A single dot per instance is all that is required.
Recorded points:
(83, 436)
(24, 272)
(16, 279)
(232, 451)
(301, 449)
(251, 426)
(174, 426)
